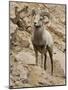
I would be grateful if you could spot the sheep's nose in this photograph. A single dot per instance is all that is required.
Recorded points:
(34, 23)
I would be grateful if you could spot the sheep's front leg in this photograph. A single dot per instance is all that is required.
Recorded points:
(42, 61)
(36, 55)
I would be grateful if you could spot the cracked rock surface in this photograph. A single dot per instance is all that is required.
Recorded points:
(23, 71)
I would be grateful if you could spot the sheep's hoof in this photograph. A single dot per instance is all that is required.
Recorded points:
(45, 69)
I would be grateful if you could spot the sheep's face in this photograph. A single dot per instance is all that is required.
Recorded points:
(38, 20)
(39, 17)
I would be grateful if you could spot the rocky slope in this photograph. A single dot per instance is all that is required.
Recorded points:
(23, 71)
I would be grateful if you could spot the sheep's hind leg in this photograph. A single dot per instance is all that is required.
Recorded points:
(45, 61)
(51, 57)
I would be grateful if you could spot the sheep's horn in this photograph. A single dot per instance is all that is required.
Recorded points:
(45, 13)
(33, 12)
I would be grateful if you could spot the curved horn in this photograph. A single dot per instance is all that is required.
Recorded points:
(33, 12)
(45, 13)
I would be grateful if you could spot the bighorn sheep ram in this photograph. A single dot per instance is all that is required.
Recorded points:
(41, 39)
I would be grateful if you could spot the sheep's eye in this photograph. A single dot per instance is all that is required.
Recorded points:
(41, 18)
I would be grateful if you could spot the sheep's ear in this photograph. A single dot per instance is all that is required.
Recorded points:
(45, 13)
(33, 12)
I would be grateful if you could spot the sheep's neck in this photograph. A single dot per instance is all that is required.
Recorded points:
(38, 36)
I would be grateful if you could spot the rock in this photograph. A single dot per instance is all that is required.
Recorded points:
(59, 62)
(20, 39)
(23, 71)
(27, 85)
(35, 75)
(25, 57)
(12, 28)
(31, 46)
(18, 83)
(29, 30)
